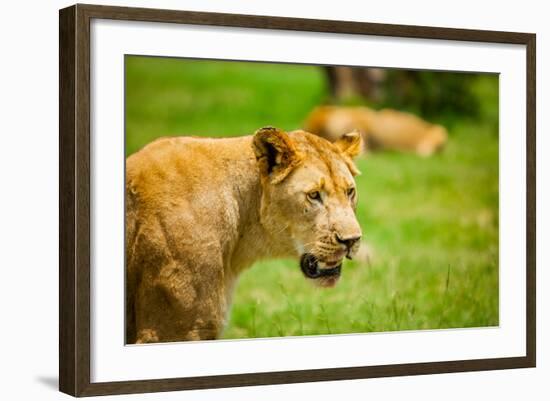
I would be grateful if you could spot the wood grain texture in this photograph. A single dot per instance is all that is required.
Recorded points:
(531, 200)
(82, 192)
(74, 205)
(300, 376)
(67, 131)
(301, 24)
(74, 199)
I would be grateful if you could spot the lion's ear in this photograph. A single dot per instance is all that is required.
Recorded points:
(350, 144)
(275, 152)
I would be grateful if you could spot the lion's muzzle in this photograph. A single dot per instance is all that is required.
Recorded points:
(310, 267)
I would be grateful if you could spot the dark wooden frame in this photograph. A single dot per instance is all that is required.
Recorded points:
(74, 199)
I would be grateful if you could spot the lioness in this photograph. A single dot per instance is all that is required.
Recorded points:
(199, 211)
(384, 129)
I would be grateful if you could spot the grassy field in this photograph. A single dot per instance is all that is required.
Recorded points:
(432, 223)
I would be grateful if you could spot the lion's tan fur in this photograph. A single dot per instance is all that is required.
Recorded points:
(384, 129)
(199, 211)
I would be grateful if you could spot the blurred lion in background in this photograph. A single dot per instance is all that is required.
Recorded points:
(385, 129)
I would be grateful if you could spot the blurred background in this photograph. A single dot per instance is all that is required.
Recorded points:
(431, 223)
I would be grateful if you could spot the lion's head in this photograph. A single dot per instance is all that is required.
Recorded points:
(309, 197)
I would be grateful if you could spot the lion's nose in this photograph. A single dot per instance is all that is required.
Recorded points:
(348, 241)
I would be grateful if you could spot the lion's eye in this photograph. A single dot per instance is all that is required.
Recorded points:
(314, 196)
(351, 192)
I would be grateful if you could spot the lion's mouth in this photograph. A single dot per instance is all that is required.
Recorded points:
(311, 269)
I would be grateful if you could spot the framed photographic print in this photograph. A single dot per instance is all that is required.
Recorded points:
(250, 200)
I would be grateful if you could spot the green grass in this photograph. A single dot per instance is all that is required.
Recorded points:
(175, 97)
(432, 223)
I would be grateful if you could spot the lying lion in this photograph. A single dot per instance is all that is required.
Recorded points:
(199, 211)
(384, 129)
